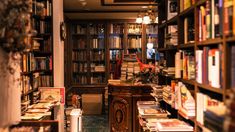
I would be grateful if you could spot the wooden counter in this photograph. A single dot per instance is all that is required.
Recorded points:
(123, 113)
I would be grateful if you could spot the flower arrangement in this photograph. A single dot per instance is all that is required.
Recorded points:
(15, 24)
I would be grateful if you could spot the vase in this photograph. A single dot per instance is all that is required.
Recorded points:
(10, 93)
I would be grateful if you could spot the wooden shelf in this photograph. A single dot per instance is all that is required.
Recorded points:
(201, 2)
(97, 49)
(172, 21)
(210, 88)
(166, 49)
(187, 12)
(36, 71)
(98, 72)
(210, 42)
(88, 86)
(185, 117)
(115, 48)
(46, 18)
(79, 49)
(97, 61)
(29, 92)
(230, 39)
(162, 25)
(186, 46)
(41, 53)
(79, 61)
(132, 34)
(116, 34)
(152, 35)
(191, 82)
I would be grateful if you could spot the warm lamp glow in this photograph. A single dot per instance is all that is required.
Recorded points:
(139, 19)
(146, 19)
(156, 20)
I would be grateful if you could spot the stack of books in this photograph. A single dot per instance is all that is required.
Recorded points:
(167, 91)
(157, 92)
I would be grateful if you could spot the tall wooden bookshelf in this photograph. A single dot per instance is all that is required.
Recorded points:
(220, 41)
(118, 37)
(37, 64)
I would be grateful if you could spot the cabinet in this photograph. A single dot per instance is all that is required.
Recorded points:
(123, 114)
(37, 63)
(199, 34)
(96, 48)
(88, 54)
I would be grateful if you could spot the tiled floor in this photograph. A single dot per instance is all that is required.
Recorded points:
(94, 123)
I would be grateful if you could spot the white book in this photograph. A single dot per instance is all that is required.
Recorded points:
(200, 108)
(215, 69)
(199, 66)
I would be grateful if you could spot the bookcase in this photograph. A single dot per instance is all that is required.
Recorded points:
(201, 55)
(96, 48)
(88, 53)
(37, 63)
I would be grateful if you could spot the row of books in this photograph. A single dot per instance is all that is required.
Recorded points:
(232, 66)
(79, 43)
(116, 28)
(43, 81)
(79, 56)
(154, 118)
(40, 44)
(80, 67)
(210, 113)
(128, 69)
(189, 30)
(97, 43)
(185, 4)
(115, 42)
(208, 68)
(179, 97)
(171, 37)
(96, 29)
(229, 123)
(41, 26)
(151, 29)
(97, 79)
(25, 84)
(172, 9)
(115, 54)
(184, 65)
(134, 42)
(32, 63)
(81, 29)
(79, 79)
(210, 20)
(134, 28)
(42, 8)
(97, 56)
(97, 68)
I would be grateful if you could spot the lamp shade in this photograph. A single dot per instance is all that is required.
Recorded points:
(146, 19)
(139, 19)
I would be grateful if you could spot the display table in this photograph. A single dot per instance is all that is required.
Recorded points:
(123, 113)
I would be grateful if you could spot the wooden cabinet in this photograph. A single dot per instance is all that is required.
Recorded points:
(123, 114)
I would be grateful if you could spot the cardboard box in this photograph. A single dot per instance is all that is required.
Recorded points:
(92, 104)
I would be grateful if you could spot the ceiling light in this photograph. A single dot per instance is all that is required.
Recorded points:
(146, 19)
(139, 19)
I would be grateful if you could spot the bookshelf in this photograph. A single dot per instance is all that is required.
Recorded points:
(37, 63)
(206, 37)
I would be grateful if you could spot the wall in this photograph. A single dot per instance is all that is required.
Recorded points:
(58, 47)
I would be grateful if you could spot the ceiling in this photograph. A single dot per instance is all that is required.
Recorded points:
(105, 9)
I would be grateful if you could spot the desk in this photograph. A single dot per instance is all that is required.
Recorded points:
(123, 113)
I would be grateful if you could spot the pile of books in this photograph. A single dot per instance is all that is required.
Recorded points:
(169, 71)
(157, 92)
(167, 90)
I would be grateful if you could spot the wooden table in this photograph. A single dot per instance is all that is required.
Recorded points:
(123, 113)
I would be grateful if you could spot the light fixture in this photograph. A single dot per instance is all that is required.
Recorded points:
(139, 19)
(148, 17)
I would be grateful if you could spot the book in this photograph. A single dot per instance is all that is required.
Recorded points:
(172, 9)
(173, 125)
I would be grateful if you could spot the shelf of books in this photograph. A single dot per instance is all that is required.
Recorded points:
(88, 54)
(116, 48)
(37, 64)
(151, 42)
(203, 60)
(37, 71)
